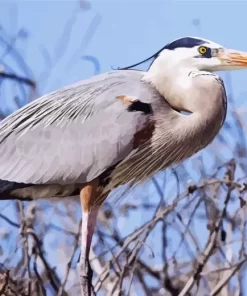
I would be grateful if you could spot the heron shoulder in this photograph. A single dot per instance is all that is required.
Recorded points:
(86, 97)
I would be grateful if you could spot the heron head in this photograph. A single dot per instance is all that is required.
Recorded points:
(201, 54)
(193, 53)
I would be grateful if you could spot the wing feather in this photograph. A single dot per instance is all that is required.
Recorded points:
(74, 134)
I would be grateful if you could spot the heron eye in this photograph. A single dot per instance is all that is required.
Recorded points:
(202, 50)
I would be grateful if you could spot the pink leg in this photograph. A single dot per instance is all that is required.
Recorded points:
(90, 206)
(87, 230)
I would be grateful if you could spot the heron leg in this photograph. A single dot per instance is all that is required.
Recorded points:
(90, 208)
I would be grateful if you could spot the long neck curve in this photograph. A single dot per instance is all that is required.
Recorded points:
(198, 92)
(177, 136)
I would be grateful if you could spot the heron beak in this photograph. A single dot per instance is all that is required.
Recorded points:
(233, 58)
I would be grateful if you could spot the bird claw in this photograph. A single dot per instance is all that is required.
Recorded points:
(86, 276)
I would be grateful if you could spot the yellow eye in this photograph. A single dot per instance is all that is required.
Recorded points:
(202, 49)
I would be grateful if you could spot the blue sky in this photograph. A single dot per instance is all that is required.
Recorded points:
(125, 33)
(128, 31)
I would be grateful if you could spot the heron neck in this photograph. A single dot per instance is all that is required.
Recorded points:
(172, 83)
(200, 93)
(176, 136)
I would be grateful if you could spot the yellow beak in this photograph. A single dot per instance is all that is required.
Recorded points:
(233, 58)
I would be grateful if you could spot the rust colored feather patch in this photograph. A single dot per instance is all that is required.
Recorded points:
(144, 135)
(127, 100)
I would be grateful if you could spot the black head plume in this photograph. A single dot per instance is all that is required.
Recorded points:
(154, 56)
(186, 42)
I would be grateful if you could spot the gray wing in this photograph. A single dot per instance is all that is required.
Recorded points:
(74, 134)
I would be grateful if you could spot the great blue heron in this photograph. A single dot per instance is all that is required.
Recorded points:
(120, 127)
